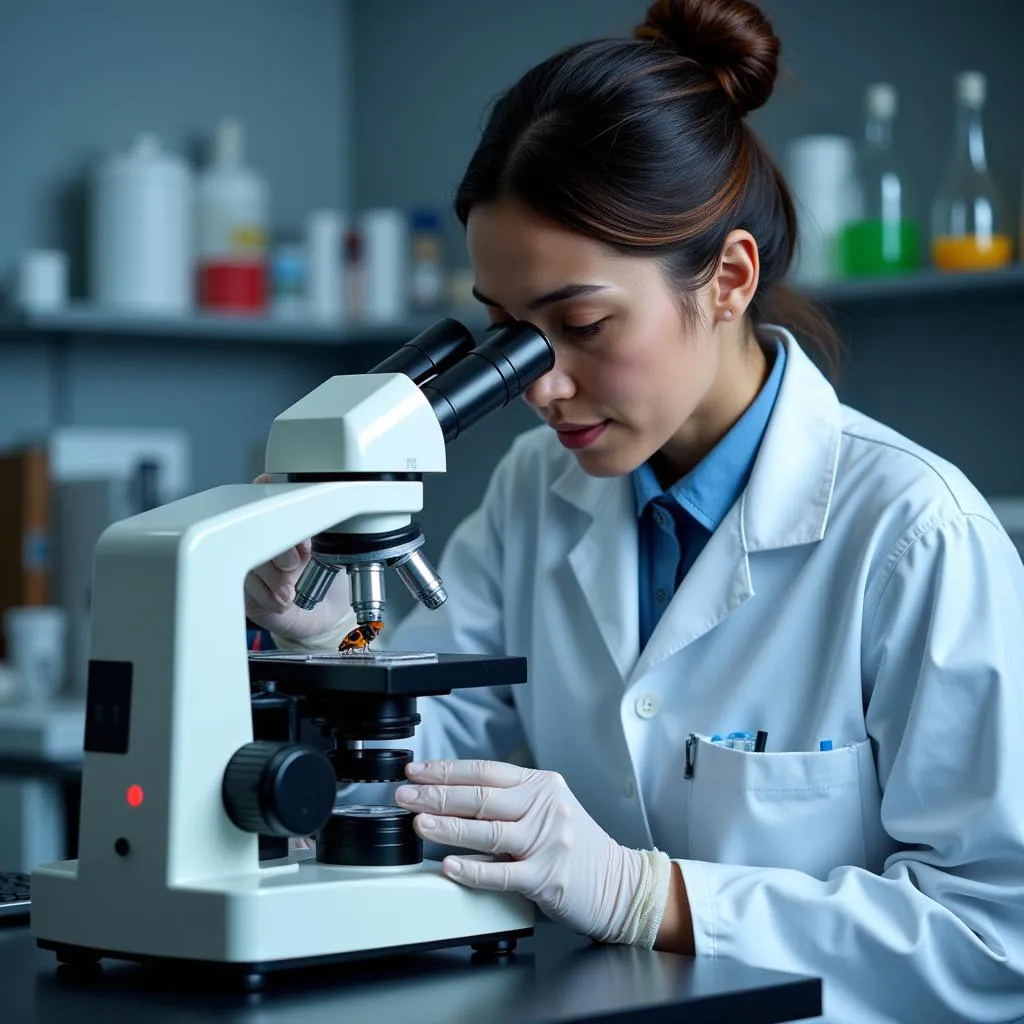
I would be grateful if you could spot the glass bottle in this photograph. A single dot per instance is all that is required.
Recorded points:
(426, 270)
(969, 231)
(884, 239)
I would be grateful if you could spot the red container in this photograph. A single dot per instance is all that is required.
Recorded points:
(233, 286)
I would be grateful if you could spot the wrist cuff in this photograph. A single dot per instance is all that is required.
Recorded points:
(648, 908)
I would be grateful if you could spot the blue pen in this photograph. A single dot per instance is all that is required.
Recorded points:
(825, 745)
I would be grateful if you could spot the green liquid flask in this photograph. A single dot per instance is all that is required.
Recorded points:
(885, 239)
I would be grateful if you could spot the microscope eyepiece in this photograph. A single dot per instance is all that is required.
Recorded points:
(489, 377)
(429, 353)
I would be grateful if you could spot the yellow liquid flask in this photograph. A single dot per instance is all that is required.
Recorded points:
(969, 229)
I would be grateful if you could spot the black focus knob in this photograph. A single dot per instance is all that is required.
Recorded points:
(279, 789)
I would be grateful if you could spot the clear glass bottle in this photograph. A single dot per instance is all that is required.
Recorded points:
(426, 270)
(969, 230)
(884, 239)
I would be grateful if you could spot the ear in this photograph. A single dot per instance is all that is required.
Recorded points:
(735, 280)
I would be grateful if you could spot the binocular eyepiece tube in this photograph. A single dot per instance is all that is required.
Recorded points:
(489, 377)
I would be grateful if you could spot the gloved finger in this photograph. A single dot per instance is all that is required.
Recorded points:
(484, 802)
(281, 584)
(288, 561)
(258, 595)
(469, 773)
(271, 595)
(480, 873)
(486, 836)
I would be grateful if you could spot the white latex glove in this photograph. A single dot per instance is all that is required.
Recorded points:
(554, 852)
(270, 600)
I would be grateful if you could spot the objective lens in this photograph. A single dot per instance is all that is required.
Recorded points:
(313, 584)
(367, 584)
(423, 582)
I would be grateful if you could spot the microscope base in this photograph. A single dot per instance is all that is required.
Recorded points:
(297, 915)
(252, 976)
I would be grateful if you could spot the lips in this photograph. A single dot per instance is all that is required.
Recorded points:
(577, 436)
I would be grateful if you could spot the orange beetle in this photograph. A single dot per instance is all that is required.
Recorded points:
(360, 638)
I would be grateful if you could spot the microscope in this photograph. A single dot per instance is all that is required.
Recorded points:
(193, 763)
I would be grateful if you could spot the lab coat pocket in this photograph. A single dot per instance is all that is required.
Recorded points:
(800, 810)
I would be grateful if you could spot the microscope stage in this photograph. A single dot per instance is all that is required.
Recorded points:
(382, 672)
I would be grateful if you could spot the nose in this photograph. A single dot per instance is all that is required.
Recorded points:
(557, 384)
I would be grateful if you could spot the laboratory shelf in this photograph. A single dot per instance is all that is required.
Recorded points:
(928, 284)
(83, 320)
(90, 321)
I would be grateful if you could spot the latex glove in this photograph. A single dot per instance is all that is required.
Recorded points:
(270, 600)
(554, 852)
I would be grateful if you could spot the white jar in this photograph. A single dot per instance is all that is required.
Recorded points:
(140, 238)
(821, 173)
(384, 235)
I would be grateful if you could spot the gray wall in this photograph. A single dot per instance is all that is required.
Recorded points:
(946, 372)
(77, 81)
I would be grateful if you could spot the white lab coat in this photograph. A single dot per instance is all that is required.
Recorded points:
(860, 590)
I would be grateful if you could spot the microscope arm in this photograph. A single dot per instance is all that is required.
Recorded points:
(169, 674)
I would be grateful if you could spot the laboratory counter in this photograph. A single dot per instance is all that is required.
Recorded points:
(553, 978)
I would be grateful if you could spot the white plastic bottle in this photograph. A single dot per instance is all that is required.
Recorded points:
(232, 203)
(140, 247)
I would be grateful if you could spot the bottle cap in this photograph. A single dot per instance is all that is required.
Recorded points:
(426, 221)
(882, 100)
(970, 88)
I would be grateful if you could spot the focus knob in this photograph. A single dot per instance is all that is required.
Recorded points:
(279, 789)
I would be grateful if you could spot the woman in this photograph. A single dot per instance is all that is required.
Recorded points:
(701, 539)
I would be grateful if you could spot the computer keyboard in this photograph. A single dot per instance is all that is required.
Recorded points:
(14, 895)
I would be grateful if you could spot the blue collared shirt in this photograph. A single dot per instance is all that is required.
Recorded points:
(677, 523)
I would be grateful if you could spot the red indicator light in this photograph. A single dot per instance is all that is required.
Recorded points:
(134, 796)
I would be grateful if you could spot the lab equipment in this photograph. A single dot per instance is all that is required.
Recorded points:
(289, 272)
(15, 895)
(426, 269)
(141, 231)
(884, 239)
(232, 213)
(179, 781)
(821, 170)
(325, 243)
(41, 281)
(384, 243)
(35, 640)
(969, 228)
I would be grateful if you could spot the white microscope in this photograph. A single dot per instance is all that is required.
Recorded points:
(179, 787)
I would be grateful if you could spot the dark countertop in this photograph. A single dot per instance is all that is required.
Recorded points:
(554, 978)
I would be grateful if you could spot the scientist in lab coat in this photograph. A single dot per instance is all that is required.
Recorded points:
(701, 539)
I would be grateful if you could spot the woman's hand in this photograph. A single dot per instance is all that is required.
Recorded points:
(270, 596)
(552, 851)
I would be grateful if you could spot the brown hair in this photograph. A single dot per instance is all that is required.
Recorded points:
(641, 144)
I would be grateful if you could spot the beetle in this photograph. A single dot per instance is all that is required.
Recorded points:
(360, 638)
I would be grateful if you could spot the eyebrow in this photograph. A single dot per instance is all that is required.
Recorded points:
(569, 291)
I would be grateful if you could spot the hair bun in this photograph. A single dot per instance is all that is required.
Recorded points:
(731, 39)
